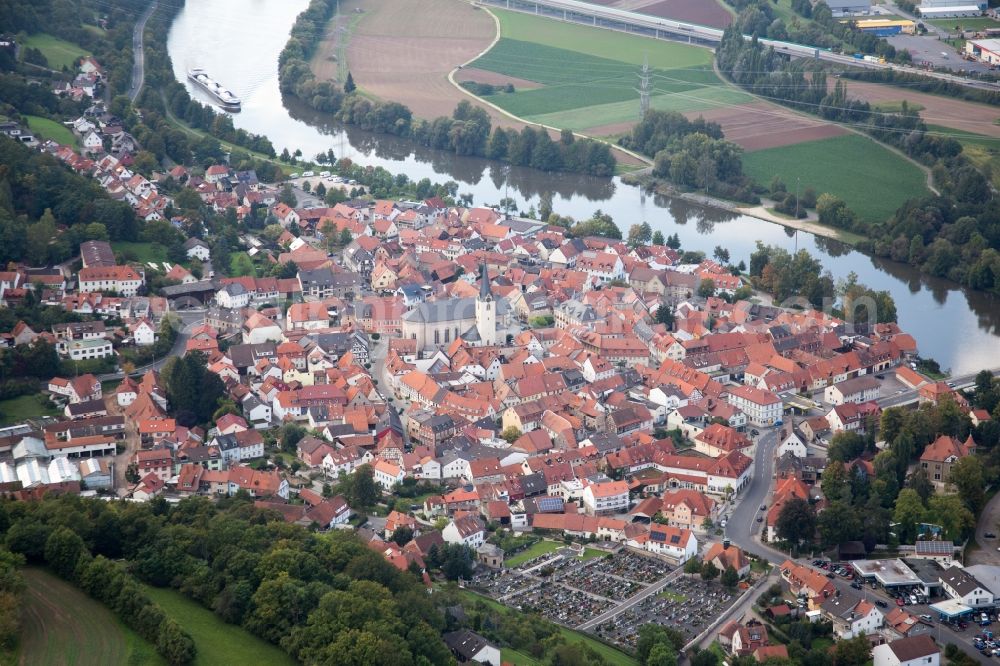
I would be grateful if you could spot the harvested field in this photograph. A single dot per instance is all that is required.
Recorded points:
(702, 12)
(760, 125)
(494, 78)
(937, 110)
(400, 54)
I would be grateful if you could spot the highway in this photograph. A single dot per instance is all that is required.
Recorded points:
(139, 63)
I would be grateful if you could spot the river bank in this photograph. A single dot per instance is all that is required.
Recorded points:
(245, 56)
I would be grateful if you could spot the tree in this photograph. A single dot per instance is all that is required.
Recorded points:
(402, 535)
(665, 315)
(721, 254)
(853, 652)
(709, 571)
(652, 636)
(706, 288)
(834, 483)
(287, 196)
(658, 238)
(345, 237)
(175, 644)
(349, 86)
(63, 549)
(661, 654)
(692, 566)
(511, 434)
(796, 522)
(640, 234)
(838, 523)
(366, 492)
(908, 513)
(966, 476)
(952, 515)
(730, 578)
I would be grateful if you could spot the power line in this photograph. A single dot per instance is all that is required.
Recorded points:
(644, 88)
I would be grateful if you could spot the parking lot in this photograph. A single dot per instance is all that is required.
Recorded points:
(936, 52)
(687, 604)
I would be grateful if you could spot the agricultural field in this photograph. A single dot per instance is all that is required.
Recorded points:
(16, 410)
(713, 13)
(50, 129)
(872, 180)
(217, 642)
(58, 52)
(62, 626)
(585, 78)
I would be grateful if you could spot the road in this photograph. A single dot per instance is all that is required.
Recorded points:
(742, 525)
(989, 519)
(190, 319)
(139, 64)
(911, 395)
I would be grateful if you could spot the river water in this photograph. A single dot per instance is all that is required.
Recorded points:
(238, 42)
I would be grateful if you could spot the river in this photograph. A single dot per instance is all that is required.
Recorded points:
(238, 42)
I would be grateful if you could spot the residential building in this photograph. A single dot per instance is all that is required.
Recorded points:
(910, 651)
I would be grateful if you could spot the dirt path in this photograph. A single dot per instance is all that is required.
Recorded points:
(63, 626)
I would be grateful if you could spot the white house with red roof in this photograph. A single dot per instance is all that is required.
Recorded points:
(605, 497)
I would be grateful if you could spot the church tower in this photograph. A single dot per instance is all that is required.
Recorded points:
(486, 313)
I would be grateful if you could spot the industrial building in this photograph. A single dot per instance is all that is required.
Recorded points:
(986, 50)
(849, 7)
(886, 27)
(948, 8)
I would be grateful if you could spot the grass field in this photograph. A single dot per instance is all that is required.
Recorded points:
(610, 654)
(540, 548)
(872, 180)
(217, 642)
(62, 626)
(588, 75)
(143, 252)
(512, 656)
(58, 52)
(971, 23)
(16, 410)
(50, 129)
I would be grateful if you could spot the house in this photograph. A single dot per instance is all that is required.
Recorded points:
(123, 280)
(856, 390)
(676, 544)
(469, 646)
(748, 638)
(724, 555)
(605, 497)
(687, 509)
(763, 408)
(79, 389)
(85, 350)
(851, 615)
(387, 474)
(468, 530)
(789, 442)
(962, 586)
(329, 513)
(910, 651)
(158, 462)
(143, 333)
(938, 458)
(197, 249)
(807, 582)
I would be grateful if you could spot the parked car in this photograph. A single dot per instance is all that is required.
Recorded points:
(899, 602)
(308, 174)
(990, 535)
(926, 617)
(830, 574)
(881, 604)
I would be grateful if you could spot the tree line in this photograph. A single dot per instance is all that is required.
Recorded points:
(468, 131)
(691, 153)
(321, 598)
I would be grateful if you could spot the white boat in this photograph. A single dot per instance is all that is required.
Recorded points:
(223, 96)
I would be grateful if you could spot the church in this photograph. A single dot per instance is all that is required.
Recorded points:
(435, 324)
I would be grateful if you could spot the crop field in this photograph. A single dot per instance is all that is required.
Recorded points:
(62, 626)
(586, 78)
(58, 52)
(872, 180)
(217, 642)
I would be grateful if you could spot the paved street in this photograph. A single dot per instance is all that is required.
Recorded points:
(742, 525)
(139, 64)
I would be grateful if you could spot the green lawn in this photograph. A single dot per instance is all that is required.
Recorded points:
(589, 75)
(972, 23)
(58, 52)
(676, 597)
(62, 625)
(591, 553)
(217, 642)
(16, 410)
(872, 180)
(144, 252)
(50, 129)
(512, 656)
(533, 551)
